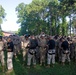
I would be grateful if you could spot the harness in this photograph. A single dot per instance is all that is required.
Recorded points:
(32, 51)
(51, 52)
(66, 52)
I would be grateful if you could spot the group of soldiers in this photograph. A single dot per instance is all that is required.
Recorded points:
(48, 49)
(43, 49)
(10, 45)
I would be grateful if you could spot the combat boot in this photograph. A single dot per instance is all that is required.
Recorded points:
(28, 66)
(48, 66)
(34, 66)
(3, 68)
(63, 63)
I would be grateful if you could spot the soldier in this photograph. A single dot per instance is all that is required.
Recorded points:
(56, 45)
(65, 51)
(51, 52)
(60, 50)
(43, 45)
(74, 48)
(10, 48)
(17, 44)
(24, 44)
(2, 53)
(38, 50)
(33, 44)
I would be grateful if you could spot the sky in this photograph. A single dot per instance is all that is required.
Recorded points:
(11, 17)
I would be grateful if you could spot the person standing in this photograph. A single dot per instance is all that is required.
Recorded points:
(51, 52)
(24, 45)
(33, 44)
(2, 53)
(42, 45)
(65, 51)
(10, 48)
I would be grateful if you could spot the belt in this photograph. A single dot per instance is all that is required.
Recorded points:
(64, 52)
(51, 53)
(32, 53)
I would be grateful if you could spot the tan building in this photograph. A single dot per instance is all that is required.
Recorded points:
(7, 33)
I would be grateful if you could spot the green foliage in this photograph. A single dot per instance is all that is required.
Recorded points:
(1, 31)
(45, 15)
(2, 14)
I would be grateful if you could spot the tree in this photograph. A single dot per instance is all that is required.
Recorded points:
(2, 16)
(48, 16)
(33, 18)
(68, 8)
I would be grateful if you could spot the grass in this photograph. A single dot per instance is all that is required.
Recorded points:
(58, 69)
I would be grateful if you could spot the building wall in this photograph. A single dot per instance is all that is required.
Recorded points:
(7, 33)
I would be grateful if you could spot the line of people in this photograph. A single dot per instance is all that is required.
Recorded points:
(48, 50)
(42, 49)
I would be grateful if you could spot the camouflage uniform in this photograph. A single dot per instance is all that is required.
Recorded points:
(60, 51)
(42, 44)
(75, 49)
(72, 48)
(24, 45)
(75, 53)
(17, 43)
(2, 53)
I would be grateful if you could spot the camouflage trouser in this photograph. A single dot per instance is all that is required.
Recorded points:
(57, 52)
(60, 55)
(51, 56)
(2, 58)
(16, 49)
(75, 53)
(29, 58)
(65, 56)
(42, 55)
(24, 53)
(72, 53)
(9, 60)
